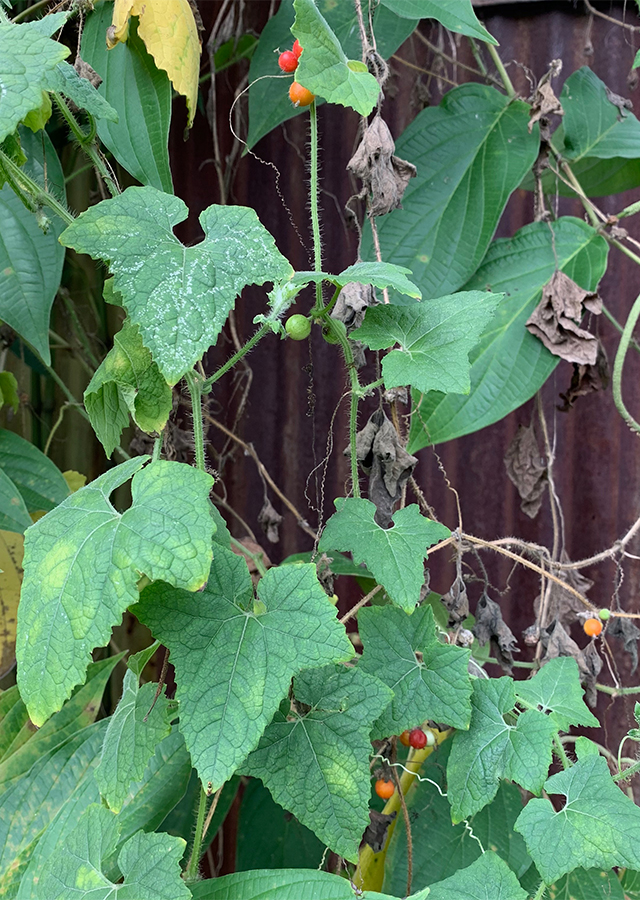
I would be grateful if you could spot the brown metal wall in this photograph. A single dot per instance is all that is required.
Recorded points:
(598, 459)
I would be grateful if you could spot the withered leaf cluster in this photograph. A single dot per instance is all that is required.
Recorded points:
(586, 379)
(555, 320)
(384, 176)
(490, 626)
(269, 520)
(527, 469)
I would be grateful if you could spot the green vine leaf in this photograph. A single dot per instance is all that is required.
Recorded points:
(556, 691)
(437, 688)
(40, 482)
(395, 555)
(28, 61)
(14, 515)
(327, 750)
(178, 296)
(284, 884)
(324, 69)
(492, 749)
(488, 872)
(471, 152)
(150, 863)
(234, 658)
(133, 733)
(84, 559)
(435, 340)
(66, 81)
(597, 827)
(127, 382)
(455, 15)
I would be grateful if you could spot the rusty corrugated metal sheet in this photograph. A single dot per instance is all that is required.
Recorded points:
(294, 402)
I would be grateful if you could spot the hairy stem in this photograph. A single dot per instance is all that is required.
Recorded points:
(191, 872)
(87, 142)
(22, 184)
(616, 379)
(314, 192)
(194, 383)
(230, 363)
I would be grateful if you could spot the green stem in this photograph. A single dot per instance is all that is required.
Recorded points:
(539, 894)
(30, 9)
(194, 383)
(618, 326)
(356, 392)
(21, 183)
(616, 379)
(230, 363)
(87, 142)
(502, 72)
(627, 773)
(560, 752)
(615, 692)
(315, 217)
(157, 449)
(191, 872)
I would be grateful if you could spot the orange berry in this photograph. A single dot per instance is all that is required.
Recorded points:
(592, 627)
(384, 788)
(404, 738)
(300, 96)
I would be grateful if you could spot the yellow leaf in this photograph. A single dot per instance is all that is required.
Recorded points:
(170, 34)
(74, 480)
(11, 552)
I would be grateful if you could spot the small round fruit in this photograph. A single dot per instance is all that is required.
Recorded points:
(298, 327)
(384, 788)
(604, 614)
(592, 627)
(288, 61)
(296, 49)
(404, 739)
(417, 738)
(300, 96)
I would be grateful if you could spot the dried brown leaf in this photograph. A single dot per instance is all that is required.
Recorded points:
(490, 626)
(624, 630)
(385, 177)
(562, 604)
(545, 104)
(554, 320)
(456, 602)
(375, 834)
(526, 469)
(586, 379)
(352, 303)
(269, 521)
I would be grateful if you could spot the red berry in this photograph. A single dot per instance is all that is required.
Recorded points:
(384, 788)
(288, 61)
(404, 738)
(417, 738)
(300, 96)
(297, 49)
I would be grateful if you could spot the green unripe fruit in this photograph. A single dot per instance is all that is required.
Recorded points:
(298, 327)
(604, 614)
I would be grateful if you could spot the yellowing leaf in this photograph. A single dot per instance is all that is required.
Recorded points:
(74, 479)
(11, 553)
(170, 34)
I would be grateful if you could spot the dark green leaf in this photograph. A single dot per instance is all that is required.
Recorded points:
(181, 818)
(598, 826)
(456, 15)
(83, 562)
(285, 884)
(556, 690)
(39, 481)
(167, 288)
(492, 749)
(588, 884)
(14, 515)
(438, 688)
(141, 95)
(471, 153)
(509, 365)
(80, 90)
(394, 555)
(631, 884)
(241, 656)
(317, 765)
(488, 878)
(435, 340)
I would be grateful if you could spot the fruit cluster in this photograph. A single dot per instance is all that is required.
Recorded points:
(417, 738)
(288, 62)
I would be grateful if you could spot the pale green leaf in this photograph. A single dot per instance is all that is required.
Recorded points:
(556, 691)
(28, 60)
(240, 656)
(395, 555)
(587, 884)
(492, 749)
(150, 864)
(141, 95)
(471, 153)
(30, 260)
(83, 562)
(14, 515)
(127, 382)
(508, 364)
(286, 884)
(456, 15)
(435, 339)
(598, 826)
(323, 67)
(317, 766)
(178, 296)
(39, 481)
(380, 275)
(269, 102)
(66, 81)
(437, 688)
(133, 734)
(488, 878)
